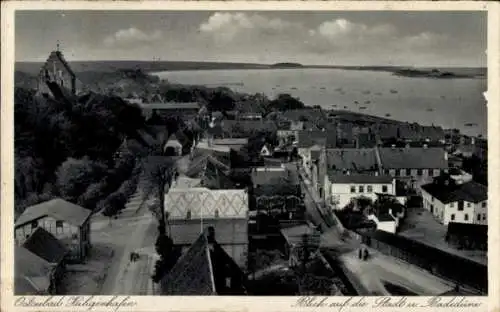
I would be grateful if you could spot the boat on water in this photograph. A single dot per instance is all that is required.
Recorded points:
(293, 88)
(356, 102)
(443, 97)
(387, 115)
(362, 107)
(345, 106)
(430, 110)
(338, 89)
(394, 91)
(323, 88)
(470, 124)
(366, 92)
(378, 93)
(334, 105)
(367, 102)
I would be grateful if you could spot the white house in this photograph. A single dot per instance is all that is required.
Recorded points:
(449, 201)
(341, 189)
(386, 222)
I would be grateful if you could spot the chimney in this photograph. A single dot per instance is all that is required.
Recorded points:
(473, 141)
(446, 155)
(211, 236)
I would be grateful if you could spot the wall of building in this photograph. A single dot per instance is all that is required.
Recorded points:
(206, 203)
(342, 195)
(68, 234)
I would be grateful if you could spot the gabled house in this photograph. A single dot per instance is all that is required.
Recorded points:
(266, 151)
(67, 222)
(449, 201)
(205, 269)
(352, 161)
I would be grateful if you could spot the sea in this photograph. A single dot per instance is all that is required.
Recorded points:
(450, 103)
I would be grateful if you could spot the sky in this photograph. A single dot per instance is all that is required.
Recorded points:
(322, 38)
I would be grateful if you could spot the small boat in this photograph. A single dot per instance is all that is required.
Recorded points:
(345, 106)
(356, 102)
(387, 115)
(277, 86)
(339, 90)
(334, 105)
(366, 92)
(443, 97)
(323, 88)
(293, 88)
(378, 93)
(430, 110)
(367, 102)
(394, 91)
(470, 124)
(362, 107)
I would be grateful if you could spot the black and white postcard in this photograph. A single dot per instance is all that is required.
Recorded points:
(270, 156)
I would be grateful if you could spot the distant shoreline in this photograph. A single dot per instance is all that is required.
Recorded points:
(153, 67)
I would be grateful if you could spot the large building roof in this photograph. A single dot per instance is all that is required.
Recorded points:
(470, 191)
(308, 138)
(46, 246)
(352, 159)
(57, 208)
(413, 158)
(359, 178)
(32, 273)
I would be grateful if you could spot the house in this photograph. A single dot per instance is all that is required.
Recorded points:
(341, 189)
(449, 201)
(56, 71)
(32, 274)
(46, 246)
(413, 165)
(266, 151)
(173, 147)
(298, 238)
(67, 222)
(246, 128)
(385, 222)
(205, 269)
(187, 205)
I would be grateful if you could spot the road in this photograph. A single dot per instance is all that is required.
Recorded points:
(368, 277)
(133, 231)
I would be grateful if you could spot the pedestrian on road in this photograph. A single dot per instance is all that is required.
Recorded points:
(360, 253)
(366, 254)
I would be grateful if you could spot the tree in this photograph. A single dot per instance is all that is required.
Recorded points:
(221, 100)
(159, 172)
(75, 175)
(285, 102)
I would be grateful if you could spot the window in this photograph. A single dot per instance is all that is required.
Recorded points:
(432, 199)
(34, 225)
(353, 189)
(59, 224)
(216, 213)
(369, 189)
(396, 173)
(478, 217)
(188, 215)
(419, 172)
(74, 236)
(468, 205)
(460, 206)
(384, 188)
(408, 172)
(466, 217)
(484, 216)
(452, 217)
(361, 188)
(387, 172)
(483, 204)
